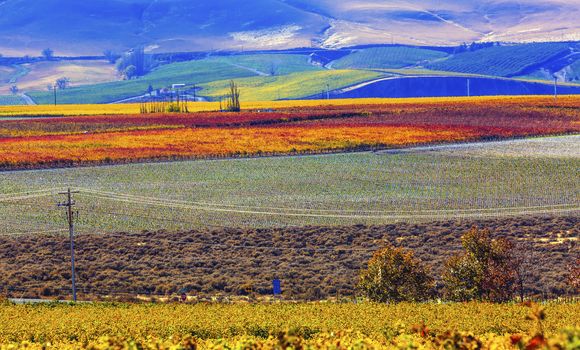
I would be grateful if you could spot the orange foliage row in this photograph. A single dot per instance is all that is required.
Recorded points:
(208, 142)
(96, 139)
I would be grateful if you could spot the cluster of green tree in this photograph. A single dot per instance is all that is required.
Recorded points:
(487, 270)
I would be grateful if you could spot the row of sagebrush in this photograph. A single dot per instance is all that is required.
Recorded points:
(487, 270)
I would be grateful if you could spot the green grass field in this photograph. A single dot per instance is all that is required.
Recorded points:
(189, 73)
(500, 60)
(192, 72)
(272, 64)
(11, 100)
(387, 57)
(292, 86)
(359, 188)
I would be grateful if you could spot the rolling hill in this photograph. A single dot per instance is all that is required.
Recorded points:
(192, 72)
(293, 86)
(305, 73)
(505, 61)
(219, 68)
(73, 27)
(388, 57)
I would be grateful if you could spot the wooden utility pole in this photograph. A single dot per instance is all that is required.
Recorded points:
(69, 204)
(54, 89)
(555, 89)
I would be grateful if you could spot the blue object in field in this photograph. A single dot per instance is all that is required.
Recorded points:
(277, 287)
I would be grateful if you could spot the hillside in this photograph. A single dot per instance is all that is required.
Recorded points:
(504, 60)
(388, 57)
(81, 28)
(192, 72)
(294, 74)
(292, 86)
(39, 75)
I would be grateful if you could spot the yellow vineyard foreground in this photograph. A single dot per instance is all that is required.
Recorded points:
(293, 326)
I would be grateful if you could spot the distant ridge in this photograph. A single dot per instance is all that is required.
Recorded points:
(72, 27)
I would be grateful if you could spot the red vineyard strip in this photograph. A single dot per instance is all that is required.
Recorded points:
(106, 139)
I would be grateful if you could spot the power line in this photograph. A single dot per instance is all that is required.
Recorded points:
(45, 206)
(179, 204)
(394, 216)
(136, 197)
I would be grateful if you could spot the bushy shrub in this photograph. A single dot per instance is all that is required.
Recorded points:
(486, 270)
(395, 275)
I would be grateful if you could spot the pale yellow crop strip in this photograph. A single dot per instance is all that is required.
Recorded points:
(118, 109)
